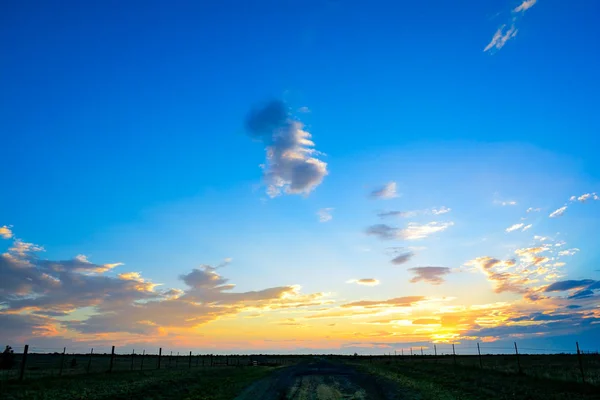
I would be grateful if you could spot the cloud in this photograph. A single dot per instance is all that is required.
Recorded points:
(522, 227)
(5, 232)
(531, 209)
(433, 275)
(569, 252)
(365, 281)
(426, 321)
(568, 285)
(401, 214)
(324, 214)
(304, 109)
(406, 301)
(525, 5)
(291, 166)
(514, 227)
(505, 203)
(388, 191)
(559, 212)
(584, 197)
(413, 230)
(416, 231)
(441, 210)
(402, 258)
(501, 37)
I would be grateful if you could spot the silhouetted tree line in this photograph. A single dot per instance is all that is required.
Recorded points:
(7, 358)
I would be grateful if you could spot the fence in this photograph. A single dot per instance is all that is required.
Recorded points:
(564, 364)
(36, 362)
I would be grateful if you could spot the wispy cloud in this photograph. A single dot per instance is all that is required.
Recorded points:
(413, 230)
(441, 210)
(521, 226)
(433, 275)
(403, 258)
(400, 214)
(388, 191)
(304, 109)
(365, 281)
(291, 166)
(501, 37)
(509, 31)
(585, 197)
(559, 212)
(324, 214)
(525, 5)
(5, 232)
(531, 209)
(514, 227)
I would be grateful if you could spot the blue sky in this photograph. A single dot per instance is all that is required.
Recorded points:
(124, 135)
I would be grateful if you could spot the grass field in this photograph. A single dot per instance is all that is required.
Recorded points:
(553, 377)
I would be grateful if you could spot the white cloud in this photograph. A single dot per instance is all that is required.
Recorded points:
(416, 231)
(413, 230)
(585, 197)
(324, 214)
(304, 109)
(531, 209)
(5, 232)
(514, 227)
(365, 281)
(441, 210)
(500, 37)
(291, 166)
(559, 212)
(388, 191)
(526, 227)
(525, 5)
(505, 203)
(570, 252)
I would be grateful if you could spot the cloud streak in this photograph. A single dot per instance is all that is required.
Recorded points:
(324, 214)
(388, 191)
(432, 275)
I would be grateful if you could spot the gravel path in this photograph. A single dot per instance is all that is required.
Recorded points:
(323, 380)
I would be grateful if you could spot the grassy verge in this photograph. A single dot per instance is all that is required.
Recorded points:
(201, 384)
(465, 383)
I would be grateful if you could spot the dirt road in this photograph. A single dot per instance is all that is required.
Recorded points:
(322, 380)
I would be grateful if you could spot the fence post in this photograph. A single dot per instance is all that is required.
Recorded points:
(435, 350)
(479, 352)
(190, 364)
(580, 362)
(90, 361)
(23, 362)
(112, 359)
(177, 360)
(159, 355)
(454, 354)
(518, 361)
(132, 356)
(62, 361)
(142, 362)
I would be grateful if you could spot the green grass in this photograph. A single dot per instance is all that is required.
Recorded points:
(218, 383)
(464, 382)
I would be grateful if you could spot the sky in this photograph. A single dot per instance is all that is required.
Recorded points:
(321, 176)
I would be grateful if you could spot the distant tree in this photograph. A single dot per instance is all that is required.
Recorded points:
(355, 354)
(7, 359)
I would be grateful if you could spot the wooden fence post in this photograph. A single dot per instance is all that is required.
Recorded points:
(142, 362)
(112, 359)
(90, 361)
(190, 364)
(62, 361)
(23, 362)
(479, 352)
(580, 362)
(159, 355)
(132, 357)
(454, 354)
(518, 361)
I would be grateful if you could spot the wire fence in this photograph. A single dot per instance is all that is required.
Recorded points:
(573, 365)
(39, 362)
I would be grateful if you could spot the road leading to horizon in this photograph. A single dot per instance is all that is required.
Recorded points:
(321, 379)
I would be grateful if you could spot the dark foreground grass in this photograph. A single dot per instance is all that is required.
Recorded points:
(202, 384)
(435, 381)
